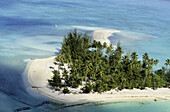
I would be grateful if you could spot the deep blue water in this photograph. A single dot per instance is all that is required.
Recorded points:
(27, 31)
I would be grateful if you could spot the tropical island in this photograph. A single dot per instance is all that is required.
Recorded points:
(87, 70)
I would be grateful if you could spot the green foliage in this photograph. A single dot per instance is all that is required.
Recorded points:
(74, 84)
(87, 88)
(167, 77)
(56, 80)
(106, 67)
(65, 74)
(66, 90)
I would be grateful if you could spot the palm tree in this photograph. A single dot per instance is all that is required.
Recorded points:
(145, 60)
(104, 45)
(134, 56)
(56, 80)
(145, 66)
(156, 62)
(167, 63)
(109, 50)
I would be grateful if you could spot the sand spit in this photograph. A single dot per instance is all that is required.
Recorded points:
(40, 70)
(102, 35)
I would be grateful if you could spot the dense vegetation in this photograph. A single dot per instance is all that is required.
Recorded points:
(104, 67)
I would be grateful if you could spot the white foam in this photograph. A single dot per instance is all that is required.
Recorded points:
(27, 60)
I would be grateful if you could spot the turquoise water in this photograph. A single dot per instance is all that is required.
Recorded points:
(123, 107)
(27, 31)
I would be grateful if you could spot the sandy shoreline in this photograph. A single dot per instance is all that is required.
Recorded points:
(103, 35)
(39, 72)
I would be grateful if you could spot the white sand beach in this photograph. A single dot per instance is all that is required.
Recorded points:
(40, 70)
(102, 35)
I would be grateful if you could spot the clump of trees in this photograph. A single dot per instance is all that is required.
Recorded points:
(104, 67)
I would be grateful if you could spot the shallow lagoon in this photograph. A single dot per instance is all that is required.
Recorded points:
(23, 22)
